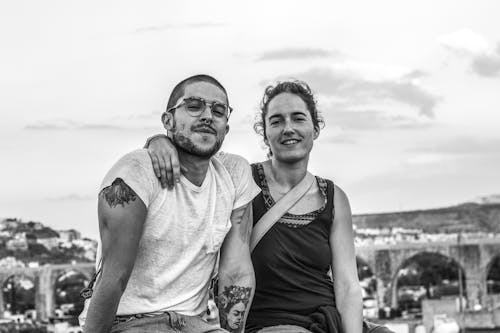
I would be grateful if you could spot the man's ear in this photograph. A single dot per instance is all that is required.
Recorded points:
(227, 129)
(167, 119)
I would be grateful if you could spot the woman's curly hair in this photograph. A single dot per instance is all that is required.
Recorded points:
(296, 87)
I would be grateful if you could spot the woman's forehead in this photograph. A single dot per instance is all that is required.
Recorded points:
(286, 103)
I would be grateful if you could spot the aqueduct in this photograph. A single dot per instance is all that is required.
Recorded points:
(44, 278)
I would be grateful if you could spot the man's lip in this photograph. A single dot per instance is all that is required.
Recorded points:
(205, 130)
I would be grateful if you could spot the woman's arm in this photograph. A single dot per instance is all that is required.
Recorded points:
(345, 277)
(165, 161)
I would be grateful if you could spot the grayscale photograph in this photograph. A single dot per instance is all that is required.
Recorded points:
(250, 166)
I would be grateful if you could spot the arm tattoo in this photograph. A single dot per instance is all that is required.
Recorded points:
(118, 193)
(232, 304)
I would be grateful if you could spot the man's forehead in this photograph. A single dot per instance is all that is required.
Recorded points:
(205, 90)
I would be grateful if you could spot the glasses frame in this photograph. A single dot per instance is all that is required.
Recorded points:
(205, 102)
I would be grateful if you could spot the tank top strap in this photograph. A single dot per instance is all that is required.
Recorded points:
(330, 194)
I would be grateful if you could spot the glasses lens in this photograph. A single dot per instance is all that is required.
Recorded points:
(219, 109)
(194, 104)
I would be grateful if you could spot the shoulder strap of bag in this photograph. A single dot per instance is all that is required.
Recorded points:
(279, 209)
(86, 292)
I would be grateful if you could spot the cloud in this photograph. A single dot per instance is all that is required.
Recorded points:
(64, 125)
(484, 57)
(73, 197)
(159, 28)
(41, 126)
(462, 146)
(487, 65)
(354, 89)
(465, 41)
(368, 120)
(297, 53)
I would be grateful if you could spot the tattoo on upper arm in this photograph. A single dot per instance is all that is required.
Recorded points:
(118, 193)
(232, 304)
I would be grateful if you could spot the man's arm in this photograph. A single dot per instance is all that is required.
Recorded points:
(121, 218)
(236, 275)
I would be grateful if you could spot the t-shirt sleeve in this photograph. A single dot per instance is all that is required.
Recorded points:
(241, 175)
(136, 170)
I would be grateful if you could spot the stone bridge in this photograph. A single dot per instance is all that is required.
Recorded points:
(473, 256)
(44, 278)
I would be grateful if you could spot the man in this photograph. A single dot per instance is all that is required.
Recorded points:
(160, 246)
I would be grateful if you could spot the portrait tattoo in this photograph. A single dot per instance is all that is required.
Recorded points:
(232, 304)
(118, 193)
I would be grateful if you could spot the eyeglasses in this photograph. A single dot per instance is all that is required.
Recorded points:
(196, 105)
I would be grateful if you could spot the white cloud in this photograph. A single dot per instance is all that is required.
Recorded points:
(484, 55)
(465, 40)
(354, 89)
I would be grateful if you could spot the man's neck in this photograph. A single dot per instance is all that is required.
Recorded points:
(194, 168)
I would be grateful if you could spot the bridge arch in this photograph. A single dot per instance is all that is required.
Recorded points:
(18, 293)
(418, 272)
(493, 275)
(67, 287)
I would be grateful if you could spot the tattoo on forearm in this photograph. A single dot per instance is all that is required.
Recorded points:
(118, 193)
(232, 304)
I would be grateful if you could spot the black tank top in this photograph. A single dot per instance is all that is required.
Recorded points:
(291, 261)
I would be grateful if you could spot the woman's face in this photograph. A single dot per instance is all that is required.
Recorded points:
(235, 315)
(289, 128)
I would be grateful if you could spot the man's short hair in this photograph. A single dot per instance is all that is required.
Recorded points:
(178, 90)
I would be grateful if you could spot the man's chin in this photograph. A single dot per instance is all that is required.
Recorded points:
(201, 151)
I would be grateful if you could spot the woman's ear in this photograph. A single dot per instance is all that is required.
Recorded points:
(315, 134)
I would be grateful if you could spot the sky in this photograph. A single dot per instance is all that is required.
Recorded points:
(409, 91)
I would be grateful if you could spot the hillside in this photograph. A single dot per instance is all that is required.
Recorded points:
(33, 242)
(469, 217)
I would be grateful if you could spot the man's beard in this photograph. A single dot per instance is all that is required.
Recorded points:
(185, 144)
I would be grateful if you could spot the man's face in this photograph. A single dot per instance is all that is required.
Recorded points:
(203, 135)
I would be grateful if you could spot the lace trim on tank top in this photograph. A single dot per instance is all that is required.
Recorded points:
(292, 220)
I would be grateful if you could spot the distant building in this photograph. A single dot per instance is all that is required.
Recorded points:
(9, 223)
(46, 237)
(18, 243)
(69, 235)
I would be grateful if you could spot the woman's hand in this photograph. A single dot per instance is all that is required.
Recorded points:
(165, 160)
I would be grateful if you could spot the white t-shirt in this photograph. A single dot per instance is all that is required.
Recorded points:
(183, 231)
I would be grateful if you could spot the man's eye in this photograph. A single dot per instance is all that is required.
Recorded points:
(219, 110)
(193, 105)
(274, 122)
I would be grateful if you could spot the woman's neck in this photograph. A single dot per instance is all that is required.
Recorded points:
(287, 175)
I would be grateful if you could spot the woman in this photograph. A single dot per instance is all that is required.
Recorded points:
(234, 301)
(294, 292)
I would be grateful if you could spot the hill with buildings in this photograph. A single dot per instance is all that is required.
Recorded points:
(471, 217)
(32, 243)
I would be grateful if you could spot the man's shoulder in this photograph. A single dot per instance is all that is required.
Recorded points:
(135, 162)
(135, 158)
(232, 162)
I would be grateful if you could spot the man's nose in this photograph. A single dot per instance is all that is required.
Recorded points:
(207, 113)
